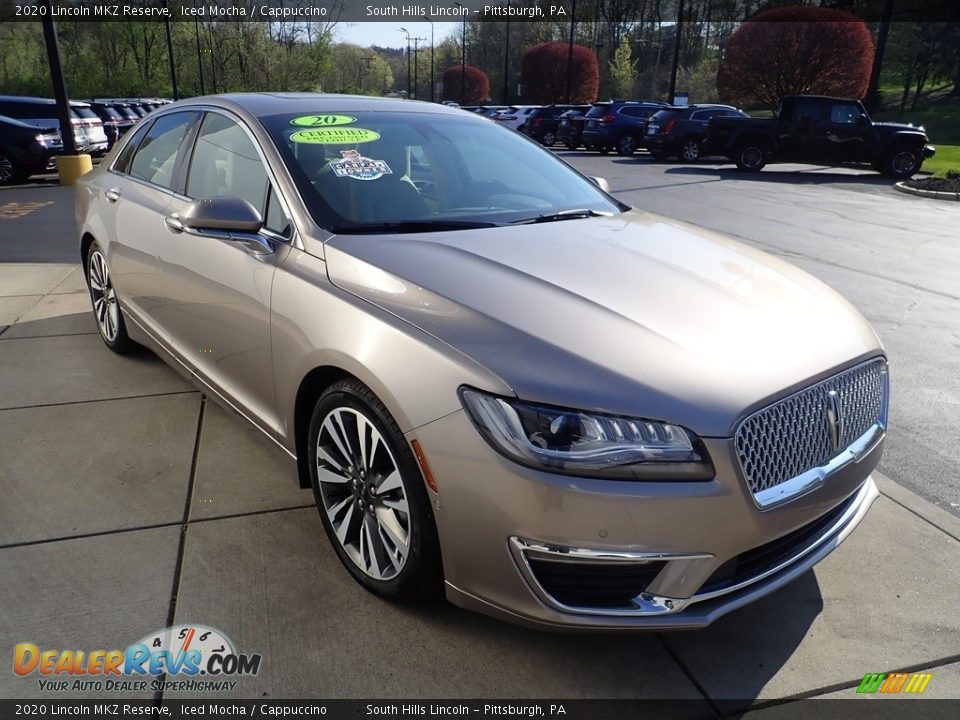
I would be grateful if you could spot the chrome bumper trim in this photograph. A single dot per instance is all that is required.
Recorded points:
(647, 604)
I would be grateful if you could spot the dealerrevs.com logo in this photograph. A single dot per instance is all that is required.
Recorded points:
(179, 658)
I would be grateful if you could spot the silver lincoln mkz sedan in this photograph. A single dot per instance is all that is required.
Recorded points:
(497, 378)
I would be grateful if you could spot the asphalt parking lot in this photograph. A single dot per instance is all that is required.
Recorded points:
(131, 503)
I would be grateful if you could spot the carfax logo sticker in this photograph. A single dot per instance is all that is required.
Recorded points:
(354, 165)
(335, 136)
(182, 652)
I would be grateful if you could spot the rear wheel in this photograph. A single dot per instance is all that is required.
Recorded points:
(106, 306)
(627, 145)
(549, 139)
(690, 150)
(371, 497)
(751, 156)
(902, 163)
(10, 173)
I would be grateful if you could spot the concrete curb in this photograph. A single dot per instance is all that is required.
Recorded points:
(922, 508)
(933, 194)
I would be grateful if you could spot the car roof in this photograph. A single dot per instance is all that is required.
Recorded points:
(20, 123)
(263, 104)
(27, 99)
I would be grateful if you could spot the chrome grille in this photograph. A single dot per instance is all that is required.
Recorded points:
(792, 436)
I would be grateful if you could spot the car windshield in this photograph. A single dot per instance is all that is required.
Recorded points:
(415, 172)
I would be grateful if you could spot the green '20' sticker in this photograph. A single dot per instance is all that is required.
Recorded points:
(322, 120)
(335, 136)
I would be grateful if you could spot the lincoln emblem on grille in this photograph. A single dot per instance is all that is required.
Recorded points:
(834, 419)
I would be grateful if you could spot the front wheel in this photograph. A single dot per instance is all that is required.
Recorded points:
(549, 139)
(751, 157)
(372, 499)
(902, 164)
(106, 306)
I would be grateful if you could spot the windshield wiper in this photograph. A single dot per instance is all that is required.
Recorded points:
(411, 226)
(562, 215)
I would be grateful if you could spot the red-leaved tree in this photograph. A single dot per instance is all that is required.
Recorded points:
(476, 89)
(543, 73)
(796, 51)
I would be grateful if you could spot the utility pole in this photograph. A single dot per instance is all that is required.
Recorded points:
(407, 33)
(463, 57)
(59, 83)
(573, 25)
(506, 62)
(416, 58)
(196, 34)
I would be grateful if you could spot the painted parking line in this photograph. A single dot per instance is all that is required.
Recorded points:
(16, 210)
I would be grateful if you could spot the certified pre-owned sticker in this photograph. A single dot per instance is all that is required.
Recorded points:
(335, 136)
(354, 165)
(322, 120)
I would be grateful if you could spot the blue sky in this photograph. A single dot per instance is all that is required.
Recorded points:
(388, 34)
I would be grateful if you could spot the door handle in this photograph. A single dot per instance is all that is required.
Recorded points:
(112, 194)
(173, 223)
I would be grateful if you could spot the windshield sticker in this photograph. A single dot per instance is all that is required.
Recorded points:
(354, 165)
(335, 136)
(322, 120)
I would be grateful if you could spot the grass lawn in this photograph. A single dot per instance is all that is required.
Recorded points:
(947, 158)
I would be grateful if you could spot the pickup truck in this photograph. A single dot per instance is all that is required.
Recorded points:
(823, 130)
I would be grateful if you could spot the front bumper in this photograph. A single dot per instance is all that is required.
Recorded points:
(494, 516)
(928, 151)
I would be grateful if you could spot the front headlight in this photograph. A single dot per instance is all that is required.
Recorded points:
(577, 442)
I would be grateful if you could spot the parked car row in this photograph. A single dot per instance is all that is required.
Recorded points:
(30, 132)
(806, 128)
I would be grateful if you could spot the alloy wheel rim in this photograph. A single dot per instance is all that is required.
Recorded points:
(627, 146)
(105, 305)
(751, 157)
(691, 150)
(363, 494)
(6, 168)
(903, 162)
(549, 139)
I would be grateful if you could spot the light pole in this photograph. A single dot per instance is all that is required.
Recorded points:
(196, 34)
(573, 25)
(407, 33)
(506, 61)
(463, 57)
(676, 53)
(416, 59)
(432, 83)
(173, 69)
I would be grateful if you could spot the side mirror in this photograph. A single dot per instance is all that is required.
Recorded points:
(225, 218)
(601, 183)
(862, 120)
(225, 214)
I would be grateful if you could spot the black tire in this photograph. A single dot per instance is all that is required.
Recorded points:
(690, 149)
(751, 156)
(604, 150)
(549, 139)
(103, 300)
(626, 146)
(902, 163)
(10, 172)
(421, 574)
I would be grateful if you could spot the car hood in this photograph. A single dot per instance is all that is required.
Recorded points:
(634, 314)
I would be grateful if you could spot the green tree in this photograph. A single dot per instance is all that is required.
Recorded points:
(623, 70)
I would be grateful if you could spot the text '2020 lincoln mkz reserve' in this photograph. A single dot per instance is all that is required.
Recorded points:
(498, 380)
